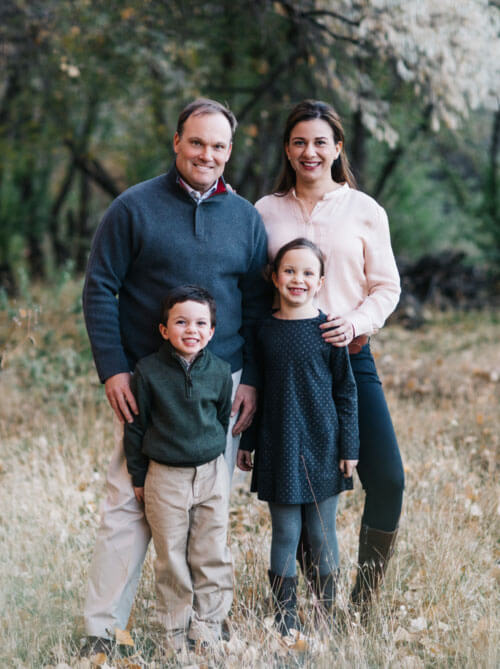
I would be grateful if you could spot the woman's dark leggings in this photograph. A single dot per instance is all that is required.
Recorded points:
(380, 468)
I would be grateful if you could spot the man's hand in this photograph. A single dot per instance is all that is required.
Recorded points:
(348, 466)
(139, 494)
(337, 331)
(245, 402)
(120, 397)
(244, 461)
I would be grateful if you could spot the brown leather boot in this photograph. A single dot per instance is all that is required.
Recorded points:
(375, 550)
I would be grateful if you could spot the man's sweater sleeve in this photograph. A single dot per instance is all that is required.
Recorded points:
(256, 295)
(346, 402)
(133, 433)
(108, 264)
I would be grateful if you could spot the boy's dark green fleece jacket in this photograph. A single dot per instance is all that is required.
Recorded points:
(183, 413)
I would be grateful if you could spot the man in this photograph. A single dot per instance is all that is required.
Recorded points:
(181, 227)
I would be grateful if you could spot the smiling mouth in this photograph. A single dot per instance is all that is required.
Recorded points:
(310, 164)
(190, 341)
(297, 291)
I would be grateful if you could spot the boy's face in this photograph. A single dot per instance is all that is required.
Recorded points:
(189, 328)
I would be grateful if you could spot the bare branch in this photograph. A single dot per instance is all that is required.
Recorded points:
(95, 170)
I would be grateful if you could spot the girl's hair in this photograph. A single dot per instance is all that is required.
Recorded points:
(299, 243)
(308, 110)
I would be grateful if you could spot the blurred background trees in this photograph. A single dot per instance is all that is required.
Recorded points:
(90, 91)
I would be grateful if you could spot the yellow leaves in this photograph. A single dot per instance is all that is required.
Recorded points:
(123, 637)
(127, 13)
(250, 556)
(470, 493)
(262, 67)
(252, 130)
(491, 376)
(98, 660)
(300, 646)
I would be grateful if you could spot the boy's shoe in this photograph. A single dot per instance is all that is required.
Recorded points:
(205, 632)
(97, 644)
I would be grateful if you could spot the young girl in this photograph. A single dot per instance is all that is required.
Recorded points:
(306, 434)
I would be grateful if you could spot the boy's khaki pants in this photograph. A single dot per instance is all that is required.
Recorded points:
(122, 542)
(187, 509)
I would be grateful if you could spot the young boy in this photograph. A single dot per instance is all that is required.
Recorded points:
(174, 451)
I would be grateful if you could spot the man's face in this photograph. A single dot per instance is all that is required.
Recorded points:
(203, 149)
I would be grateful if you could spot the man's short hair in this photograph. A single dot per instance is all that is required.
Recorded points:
(205, 106)
(188, 293)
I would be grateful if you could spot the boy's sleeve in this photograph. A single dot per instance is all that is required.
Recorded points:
(224, 404)
(133, 433)
(345, 397)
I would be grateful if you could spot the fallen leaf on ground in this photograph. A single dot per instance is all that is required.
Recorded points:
(98, 660)
(123, 637)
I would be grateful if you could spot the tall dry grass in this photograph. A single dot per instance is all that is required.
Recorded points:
(439, 607)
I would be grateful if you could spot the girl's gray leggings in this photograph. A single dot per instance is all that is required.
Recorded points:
(321, 525)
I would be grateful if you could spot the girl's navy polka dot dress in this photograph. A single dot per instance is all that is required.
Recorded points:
(307, 418)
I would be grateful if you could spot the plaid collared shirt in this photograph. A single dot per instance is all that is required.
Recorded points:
(196, 195)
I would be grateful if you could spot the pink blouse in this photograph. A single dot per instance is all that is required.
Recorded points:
(362, 280)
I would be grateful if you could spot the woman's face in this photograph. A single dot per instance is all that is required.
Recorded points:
(312, 150)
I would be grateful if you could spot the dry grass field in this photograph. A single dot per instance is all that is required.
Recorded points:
(439, 607)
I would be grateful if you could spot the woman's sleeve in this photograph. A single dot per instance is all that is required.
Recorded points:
(382, 279)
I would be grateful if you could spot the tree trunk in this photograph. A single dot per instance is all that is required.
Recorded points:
(357, 148)
(82, 226)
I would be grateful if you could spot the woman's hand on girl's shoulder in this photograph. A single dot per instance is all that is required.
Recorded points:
(244, 460)
(337, 331)
(348, 467)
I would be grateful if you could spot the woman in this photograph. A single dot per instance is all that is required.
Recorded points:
(316, 198)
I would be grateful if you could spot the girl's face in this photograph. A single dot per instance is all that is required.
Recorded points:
(298, 278)
(311, 151)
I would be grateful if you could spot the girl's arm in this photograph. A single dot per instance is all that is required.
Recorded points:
(346, 402)
(347, 467)
(244, 460)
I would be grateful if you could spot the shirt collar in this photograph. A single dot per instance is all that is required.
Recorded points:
(218, 187)
(168, 351)
(327, 196)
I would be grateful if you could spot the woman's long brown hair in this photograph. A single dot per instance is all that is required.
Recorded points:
(308, 110)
